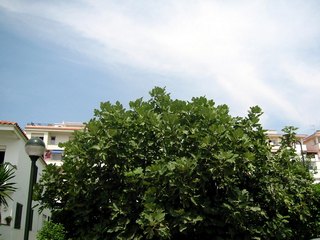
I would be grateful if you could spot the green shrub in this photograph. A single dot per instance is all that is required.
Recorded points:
(51, 231)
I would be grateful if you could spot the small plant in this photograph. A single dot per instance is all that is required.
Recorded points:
(6, 187)
(52, 231)
(8, 220)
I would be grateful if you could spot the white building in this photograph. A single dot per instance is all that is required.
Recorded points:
(52, 135)
(313, 148)
(12, 142)
(275, 141)
(308, 146)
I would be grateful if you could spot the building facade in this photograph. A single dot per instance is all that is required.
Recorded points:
(12, 152)
(275, 141)
(312, 143)
(307, 147)
(53, 135)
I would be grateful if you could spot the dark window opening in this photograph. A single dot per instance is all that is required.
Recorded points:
(17, 219)
(2, 153)
(53, 140)
(36, 135)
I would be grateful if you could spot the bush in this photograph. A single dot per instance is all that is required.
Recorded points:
(51, 231)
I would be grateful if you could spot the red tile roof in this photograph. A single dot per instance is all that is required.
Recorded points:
(15, 124)
(7, 123)
(2, 122)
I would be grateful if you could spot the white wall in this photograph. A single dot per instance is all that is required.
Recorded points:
(15, 154)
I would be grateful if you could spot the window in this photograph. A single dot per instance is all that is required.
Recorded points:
(274, 142)
(53, 140)
(37, 135)
(312, 166)
(56, 156)
(2, 153)
(17, 219)
(44, 219)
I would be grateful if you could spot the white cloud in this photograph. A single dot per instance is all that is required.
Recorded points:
(245, 51)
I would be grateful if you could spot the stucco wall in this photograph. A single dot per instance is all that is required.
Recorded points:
(15, 154)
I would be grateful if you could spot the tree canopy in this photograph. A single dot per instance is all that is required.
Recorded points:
(174, 169)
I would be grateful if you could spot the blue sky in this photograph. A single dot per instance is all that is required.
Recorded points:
(60, 59)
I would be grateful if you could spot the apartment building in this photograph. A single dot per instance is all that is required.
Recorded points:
(275, 141)
(52, 135)
(312, 143)
(307, 147)
(12, 152)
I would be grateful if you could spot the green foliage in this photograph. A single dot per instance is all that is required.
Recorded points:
(51, 231)
(6, 187)
(172, 169)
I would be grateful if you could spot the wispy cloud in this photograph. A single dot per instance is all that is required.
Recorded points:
(249, 52)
